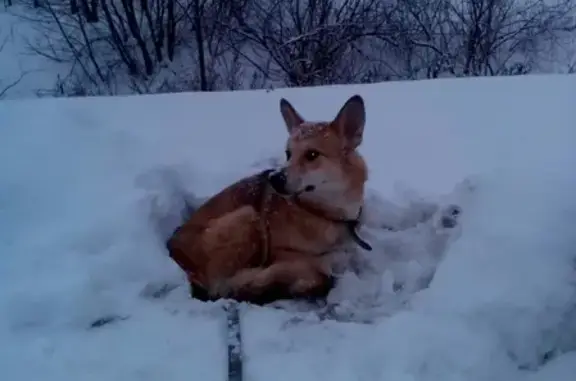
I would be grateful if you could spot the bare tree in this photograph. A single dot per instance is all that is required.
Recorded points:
(214, 55)
(142, 46)
(478, 37)
(310, 42)
(5, 87)
(138, 45)
(107, 41)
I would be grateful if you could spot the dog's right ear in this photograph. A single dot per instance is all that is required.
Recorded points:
(290, 115)
(351, 119)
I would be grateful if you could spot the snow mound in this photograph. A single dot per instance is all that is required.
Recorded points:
(90, 188)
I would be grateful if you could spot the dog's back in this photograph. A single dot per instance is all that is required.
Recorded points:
(209, 256)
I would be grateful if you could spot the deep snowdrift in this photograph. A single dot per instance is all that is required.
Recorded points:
(90, 187)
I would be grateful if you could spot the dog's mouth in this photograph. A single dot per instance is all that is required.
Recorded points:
(284, 192)
(307, 188)
(281, 190)
(278, 182)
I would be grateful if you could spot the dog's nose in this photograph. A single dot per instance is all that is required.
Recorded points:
(278, 181)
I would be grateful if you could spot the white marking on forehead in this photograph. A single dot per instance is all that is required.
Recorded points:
(309, 129)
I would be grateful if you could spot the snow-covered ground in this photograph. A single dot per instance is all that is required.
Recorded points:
(90, 187)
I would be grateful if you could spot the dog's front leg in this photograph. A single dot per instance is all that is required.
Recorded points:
(300, 278)
(289, 279)
(245, 285)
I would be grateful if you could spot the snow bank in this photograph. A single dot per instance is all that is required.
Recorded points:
(90, 188)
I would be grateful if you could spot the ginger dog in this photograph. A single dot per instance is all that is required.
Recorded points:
(269, 236)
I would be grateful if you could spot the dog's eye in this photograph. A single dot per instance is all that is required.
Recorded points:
(311, 155)
(288, 155)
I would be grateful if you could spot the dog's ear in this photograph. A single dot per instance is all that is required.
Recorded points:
(350, 121)
(290, 115)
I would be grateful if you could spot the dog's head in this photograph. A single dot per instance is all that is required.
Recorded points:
(322, 163)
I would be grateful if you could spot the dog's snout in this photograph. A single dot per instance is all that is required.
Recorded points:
(278, 181)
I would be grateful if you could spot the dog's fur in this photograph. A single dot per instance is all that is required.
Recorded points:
(269, 236)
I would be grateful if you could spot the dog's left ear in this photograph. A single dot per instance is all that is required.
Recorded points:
(291, 117)
(350, 121)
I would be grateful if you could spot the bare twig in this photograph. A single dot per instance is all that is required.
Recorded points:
(5, 89)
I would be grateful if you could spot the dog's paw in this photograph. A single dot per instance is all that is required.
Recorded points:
(302, 285)
(449, 217)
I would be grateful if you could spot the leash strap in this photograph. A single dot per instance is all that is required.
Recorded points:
(264, 223)
(351, 225)
(234, 342)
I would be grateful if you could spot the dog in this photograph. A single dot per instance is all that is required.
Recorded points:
(269, 236)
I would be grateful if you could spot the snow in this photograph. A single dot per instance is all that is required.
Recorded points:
(91, 187)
